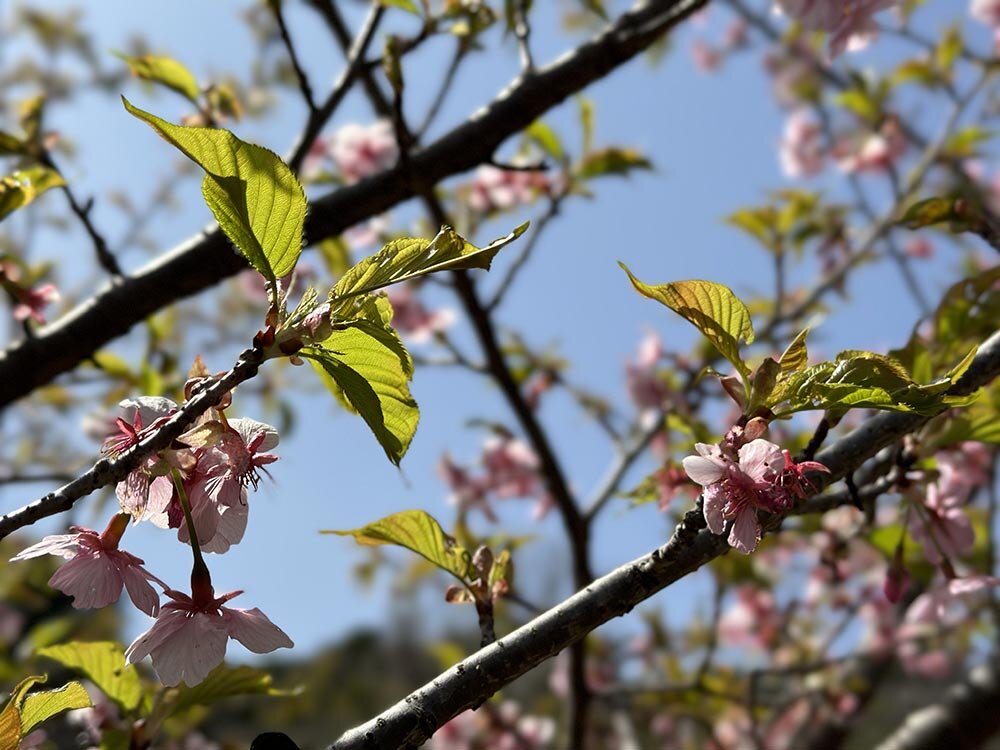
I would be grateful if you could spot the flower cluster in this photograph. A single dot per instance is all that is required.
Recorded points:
(740, 480)
(851, 25)
(355, 151)
(643, 379)
(709, 57)
(198, 486)
(496, 189)
(510, 469)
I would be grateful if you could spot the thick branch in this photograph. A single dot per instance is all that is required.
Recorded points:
(207, 259)
(964, 720)
(470, 682)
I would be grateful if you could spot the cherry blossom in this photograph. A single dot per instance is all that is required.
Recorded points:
(511, 467)
(850, 24)
(31, 302)
(763, 478)
(467, 491)
(412, 319)
(645, 387)
(495, 189)
(876, 152)
(801, 148)
(986, 11)
(96, 570)
(190, 635)
(357, 151)
(942, 526)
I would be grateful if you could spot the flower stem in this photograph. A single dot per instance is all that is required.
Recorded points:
(199, 572)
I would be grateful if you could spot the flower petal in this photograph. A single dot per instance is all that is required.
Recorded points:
(704, 471)
(746, 531)
(252, 628)
(713, 503)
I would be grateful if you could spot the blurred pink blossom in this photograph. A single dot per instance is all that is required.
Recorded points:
(495, 189)
(706, 57)
(801, 148)
(876, 152)
(986, 11)
(357, 151)
(918, 247)
(942, 527)
(646, 389)
(412, 319)
(850, 24)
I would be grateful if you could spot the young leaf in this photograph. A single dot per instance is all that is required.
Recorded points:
(225, 682)
(23, 186)
(407, 5)
(418, 532)
(796, 356)
(103, 663)
(165, 71)
(254, 196)
(366, 365)
(546, 139)
(408, 258)
(43, 705)
(713, 309)
(612, 161)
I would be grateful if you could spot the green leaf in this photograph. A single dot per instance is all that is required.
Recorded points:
(225, 682)
(253, 194)
(418, 532)
(103, 663)
(712, 308)
(407, 5)
(163, 70)
(11, 145)
(796, 356)
(367, 365)
(23, 186)
(546, 139)
(411, 257)
(611, 161)
(586, 123)
(961, 215)
(43, 705)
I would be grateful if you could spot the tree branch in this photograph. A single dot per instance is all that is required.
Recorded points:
(206, 259)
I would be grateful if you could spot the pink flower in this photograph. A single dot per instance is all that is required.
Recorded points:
(495, 189)
(706, 58)
(96, 569)
(876, 153)
(217, 488)
(645, 388)
(511, 467)
(359, 151)
(963, 469)
(145, 491)
(918, 247)
(734, 492)
(412, 319)
(986, 11)
(765, 478)
(31, 302)
(467, 491)
(937, 604)
(189, 639)
(801, 149)
(752, 620)
(942, 527)
(850, 23)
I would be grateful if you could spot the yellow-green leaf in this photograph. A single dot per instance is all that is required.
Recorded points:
(43, 705)
(23, 186)
(254, 196)
(103, 663)
(418, 532)
(712, 308)
(410, 257)
(366, 365)
(166, 71)
(225, 682)
(796, 356)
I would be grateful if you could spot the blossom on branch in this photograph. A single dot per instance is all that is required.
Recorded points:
(96, 570)
(189, 638)
(760, 477)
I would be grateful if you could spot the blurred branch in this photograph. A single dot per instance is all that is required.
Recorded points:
(300, 75)
(963, 720)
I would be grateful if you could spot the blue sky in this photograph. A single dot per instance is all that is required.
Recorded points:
(712, 139)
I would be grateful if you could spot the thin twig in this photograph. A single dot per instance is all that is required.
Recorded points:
(300, 75)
